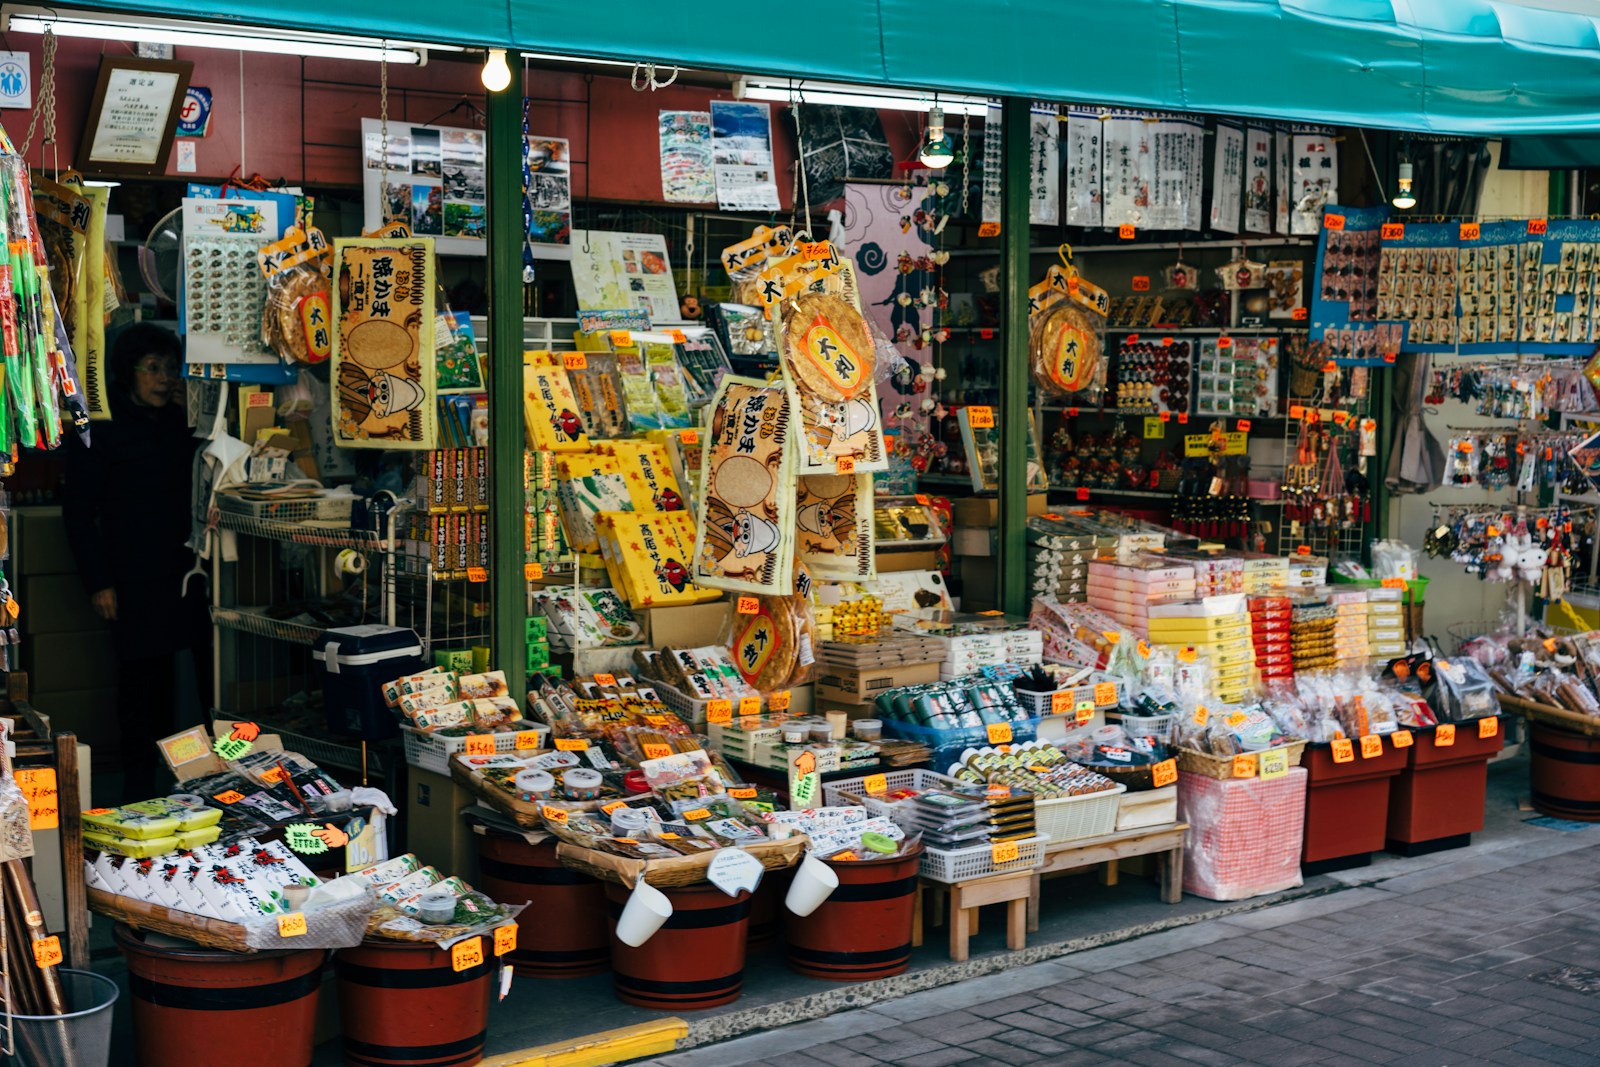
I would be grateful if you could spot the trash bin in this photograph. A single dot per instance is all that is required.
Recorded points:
(81, 1037)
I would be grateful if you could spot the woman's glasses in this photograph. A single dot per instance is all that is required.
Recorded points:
(157, 368)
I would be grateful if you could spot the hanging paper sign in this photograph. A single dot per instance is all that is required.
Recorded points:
(16, 80)
(316, 319)
(44, 801)
(734, 871)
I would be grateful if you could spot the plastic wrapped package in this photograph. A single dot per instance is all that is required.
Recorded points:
(1245, 834)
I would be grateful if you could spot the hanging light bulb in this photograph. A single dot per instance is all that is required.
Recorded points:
(937, 151)
(1403, 199)
(496, 73)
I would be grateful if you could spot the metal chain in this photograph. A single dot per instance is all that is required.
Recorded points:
(966, 155)
(386, 211)
(47, 97)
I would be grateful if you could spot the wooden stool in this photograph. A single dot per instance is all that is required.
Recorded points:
(1012, 890)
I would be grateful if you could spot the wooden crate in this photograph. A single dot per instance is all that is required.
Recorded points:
(1150, 807)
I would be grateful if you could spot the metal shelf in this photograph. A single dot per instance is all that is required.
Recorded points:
(1193, 331)
(333, 535)
(1155, 246)
(257, 622)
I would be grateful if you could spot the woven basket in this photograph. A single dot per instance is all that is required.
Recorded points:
(1221, 767)
(677, 872)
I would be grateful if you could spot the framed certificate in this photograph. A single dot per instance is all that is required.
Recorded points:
(133, 115)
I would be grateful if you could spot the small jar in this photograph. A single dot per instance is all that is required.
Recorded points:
(867, 729)
(625, 821)
(581, 784)
(436, 906)
(535, 785)
(795, 733)
(821, 733)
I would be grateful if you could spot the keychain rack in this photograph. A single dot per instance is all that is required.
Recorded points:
(1551, 531)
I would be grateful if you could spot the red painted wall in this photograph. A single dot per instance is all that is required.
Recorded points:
(621, 122)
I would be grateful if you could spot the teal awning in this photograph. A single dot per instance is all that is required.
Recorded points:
(1450, 66)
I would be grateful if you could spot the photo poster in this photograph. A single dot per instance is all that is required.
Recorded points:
(1257, 180)
(686, 170)
(438, 183)
(1085, 206)
(625, 271)
(741, 156)
(1314, 177)
(1044, 201)
(547, 196)
(1344, 299)
(993, 165)
(384, 374)
(1227, 178)
(1281, 151)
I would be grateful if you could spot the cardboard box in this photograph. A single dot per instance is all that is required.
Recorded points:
(433, 825)
(913, 560)
(985, 510)
(685, 625)
(854, 686)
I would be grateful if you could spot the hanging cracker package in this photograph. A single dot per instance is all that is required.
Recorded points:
(647, 559)
(747, 504)
(771, 637)
(648, 473)
(550, 409)
(597, 386)
(834, 517)
(686, 451)
(383, 345)
(832, 392)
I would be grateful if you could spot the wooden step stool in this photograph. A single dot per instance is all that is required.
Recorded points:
(1012, 890)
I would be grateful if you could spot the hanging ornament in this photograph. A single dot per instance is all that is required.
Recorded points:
(1182, 276)
(1242, 273)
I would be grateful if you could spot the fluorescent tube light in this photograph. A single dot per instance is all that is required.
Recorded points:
(812, 92)
(207, 35)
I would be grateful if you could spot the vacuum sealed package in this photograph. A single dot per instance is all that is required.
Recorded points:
(1461, 690)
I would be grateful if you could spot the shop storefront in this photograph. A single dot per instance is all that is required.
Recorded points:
(602, 541)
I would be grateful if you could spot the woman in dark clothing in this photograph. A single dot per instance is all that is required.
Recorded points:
(127, 513)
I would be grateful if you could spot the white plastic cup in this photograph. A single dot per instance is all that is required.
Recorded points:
(814, 882)
(647, 910)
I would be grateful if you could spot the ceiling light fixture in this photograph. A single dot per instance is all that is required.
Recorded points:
(20, 19)
(496, 74)
(1403, 199)
(937, 151)
(812, 92)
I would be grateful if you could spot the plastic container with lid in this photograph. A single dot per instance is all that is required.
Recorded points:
(868, 729)
(581, 783)
(436, 906)
(795, 733)
(821, 733)
(535, 785)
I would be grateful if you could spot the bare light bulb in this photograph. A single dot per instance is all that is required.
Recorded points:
(1403, 199)
(937, 151)
(496, 73)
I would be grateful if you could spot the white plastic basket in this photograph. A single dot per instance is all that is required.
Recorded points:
(432, 752)
(1038, 705)
(689, 709)
(854, 790)
(1076, 818)
(1159, 726)
(965, 864)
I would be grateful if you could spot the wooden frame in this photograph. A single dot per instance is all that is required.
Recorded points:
(118, 67)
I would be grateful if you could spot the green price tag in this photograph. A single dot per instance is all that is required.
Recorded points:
(805, 789)
(302, 838)
(230, 748)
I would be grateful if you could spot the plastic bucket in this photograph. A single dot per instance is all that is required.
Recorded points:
(81, 1037)
(1564, 772)
(562, 932)
(265, 1001)
(402, 1003)
(863, 929)
(695, 960)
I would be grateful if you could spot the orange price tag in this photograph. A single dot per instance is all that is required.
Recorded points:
(1303, 550)
(1330, 367)
(719, 711)
(1469, 231)
(747, 605)
(1392, 231)
(1444, 735)
(846, 464)
(656, 720)
(1538, 227)
(532, 572)
(292, 925)
(997, 792)
(605, 679)
(505, 939)
(1187, 655)
(579, 361)
(1393, 583)
(1296, 411)
(465, 955)
(690, 437)
(1371, 746)
(553, 814)
(1164, 773)
(1487, 728)
(1126, 231)
(1061, 702)
(1224, 342)
(922, 498)
(1401, 739)
(1388, 357)
(1005, 852)
(657, 751)
(697, 814)
(780, 700)
(876, 784)
(613, 806)
(1549, 644)
(1244, 766)
(1141, 283)
(1243, 426)
(746, 793)
(1300, 314)
(999, 733)
(988, 229)
(273, 776)
(621, 339)
(1166, 342)
(107, 811)
(1166, 416)
(477, 574)
(47, 951)
(1202, 715)
(1082, 494)
(980, 417)
(1333, 222)
(749, 706)
(479, 745)
(563, 744)
(1183, 418)
(232, 796)
(677, 335)
(1105, 694)
(845, 857)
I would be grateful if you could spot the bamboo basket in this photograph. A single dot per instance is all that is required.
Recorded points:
(677, 872)
(1557, 718)
(1221, 767)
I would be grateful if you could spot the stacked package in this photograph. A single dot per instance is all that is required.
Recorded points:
(1263, 573)
(1215, 574)
(1059, 553)
(1306, 571)
(1350, 646)
(437, 700)
(1270, 631)
(1218, 627)
(1386, 623)
(1126, 591)
(1312, 621)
